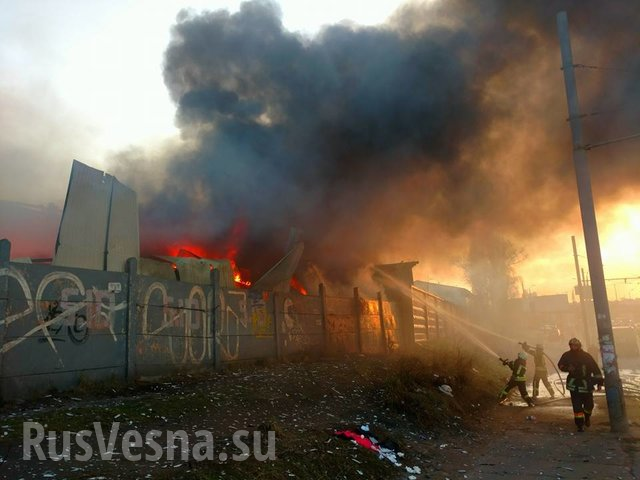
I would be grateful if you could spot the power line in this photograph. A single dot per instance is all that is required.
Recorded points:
(622, 278)
(596, 113)
(591, 146)
(596, 67)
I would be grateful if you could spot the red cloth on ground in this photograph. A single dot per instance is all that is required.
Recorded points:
(359, 439)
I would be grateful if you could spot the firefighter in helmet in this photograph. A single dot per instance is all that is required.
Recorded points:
(518, 378)
(584, 373)
(540, 372)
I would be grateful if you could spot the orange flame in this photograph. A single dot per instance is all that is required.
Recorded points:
(237, 276)
(226, 249)
(194, 251)
(296, 285)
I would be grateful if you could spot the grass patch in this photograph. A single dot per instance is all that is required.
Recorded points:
(98, 388)
(410, 385)
(128, 411)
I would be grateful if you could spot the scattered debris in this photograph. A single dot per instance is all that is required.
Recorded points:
(446, 389)
(386, 450)
(368, 443)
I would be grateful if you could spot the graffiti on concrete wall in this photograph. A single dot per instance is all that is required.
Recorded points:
(301, 323)
(233, 319)
(246, 325)
(64, 310)
(261, 317)
(78, 332)
(180, 328)
(56, 316)
(292, 329)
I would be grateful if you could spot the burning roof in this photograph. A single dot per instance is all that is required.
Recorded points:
(99, 230)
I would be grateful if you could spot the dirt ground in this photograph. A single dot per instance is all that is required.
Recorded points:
(542, 442)
(305, 403)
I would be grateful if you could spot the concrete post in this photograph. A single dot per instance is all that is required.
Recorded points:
(358, 315)
(5, 250)
(132, 319)
(383, 328)
(5, 255)
(613, 384)
(323, 318)
(214, 277)
(276, 324)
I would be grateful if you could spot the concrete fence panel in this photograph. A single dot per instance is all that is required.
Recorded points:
(299, 318)
(246, 325)
(173, 327)
(60, 324)
(341, 326)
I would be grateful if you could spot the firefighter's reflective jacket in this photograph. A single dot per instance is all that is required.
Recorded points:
(518, 369)
(583, 370)
(538, 358)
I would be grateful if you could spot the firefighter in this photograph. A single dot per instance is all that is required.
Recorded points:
(584, 373)
(518, 378)
(540, 372)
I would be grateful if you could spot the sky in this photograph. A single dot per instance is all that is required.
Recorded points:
(98, 64)
(84, 80)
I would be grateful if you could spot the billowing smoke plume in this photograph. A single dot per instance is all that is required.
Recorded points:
(394, 142)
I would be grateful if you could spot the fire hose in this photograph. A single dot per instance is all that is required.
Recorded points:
(555, 384)
(563, 392)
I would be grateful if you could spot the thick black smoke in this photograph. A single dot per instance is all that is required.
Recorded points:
(403, 136)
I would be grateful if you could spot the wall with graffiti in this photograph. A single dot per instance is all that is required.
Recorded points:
(299, 319)
(343, 325)
(245, 322)
(58, 325)
(174, 326)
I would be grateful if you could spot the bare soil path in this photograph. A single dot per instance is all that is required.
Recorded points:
(548, 446)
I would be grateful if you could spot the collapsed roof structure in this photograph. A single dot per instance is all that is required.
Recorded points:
(99, 230)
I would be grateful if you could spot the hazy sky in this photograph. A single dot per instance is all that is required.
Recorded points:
(86, 77)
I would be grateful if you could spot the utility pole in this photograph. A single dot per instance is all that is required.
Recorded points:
(583, 312)
(613, 385)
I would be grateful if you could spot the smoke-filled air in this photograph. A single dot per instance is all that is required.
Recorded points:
(408, 140)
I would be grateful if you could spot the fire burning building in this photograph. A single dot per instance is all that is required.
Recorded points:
(99, 230)
(100, 310)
